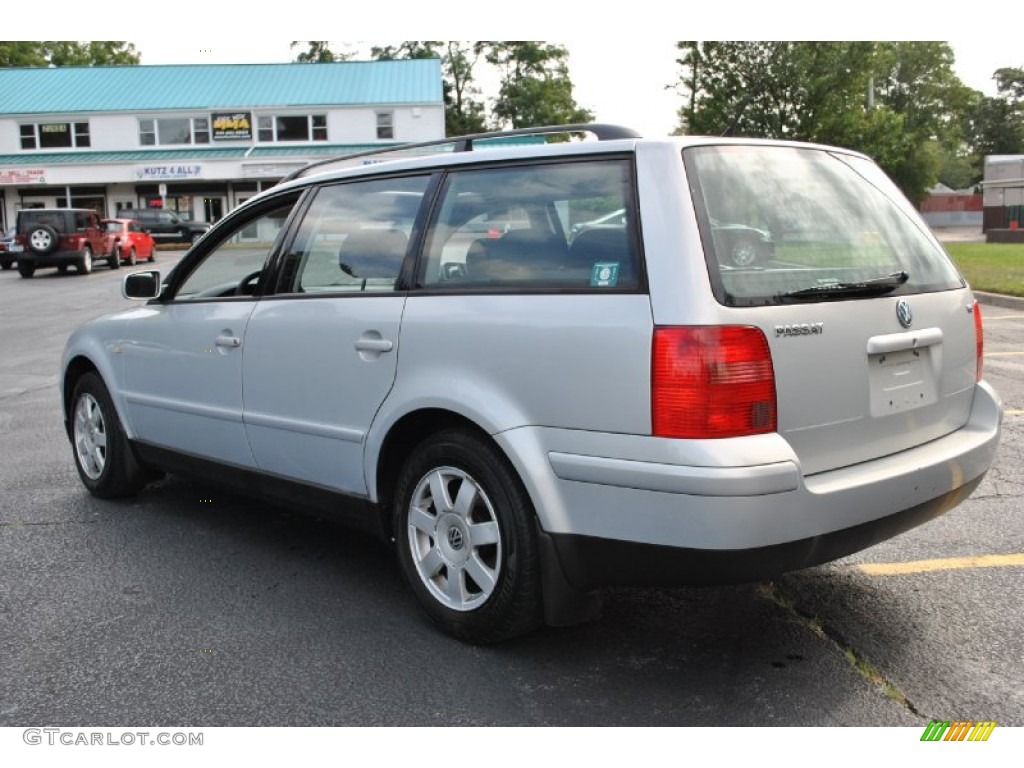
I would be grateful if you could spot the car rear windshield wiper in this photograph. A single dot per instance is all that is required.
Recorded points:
(872, 287)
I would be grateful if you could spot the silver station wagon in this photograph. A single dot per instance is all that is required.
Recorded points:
(544, 368)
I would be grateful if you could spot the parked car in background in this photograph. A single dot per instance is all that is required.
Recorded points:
(530, 413)
(7, 257)
(60, 237)
(129, 240)
(166, 226)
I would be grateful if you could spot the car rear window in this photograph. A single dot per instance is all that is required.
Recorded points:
(783, 224)
(29, 219)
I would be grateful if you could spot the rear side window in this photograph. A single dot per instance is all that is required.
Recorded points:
(783, 224)
(552, 226)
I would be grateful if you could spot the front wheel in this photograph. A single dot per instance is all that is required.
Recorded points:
(104, 458)
(466, 538)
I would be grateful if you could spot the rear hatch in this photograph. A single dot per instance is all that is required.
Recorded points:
(872, 331)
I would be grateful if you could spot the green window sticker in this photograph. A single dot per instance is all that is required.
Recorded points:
(604, 275)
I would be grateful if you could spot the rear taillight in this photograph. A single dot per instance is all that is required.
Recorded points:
(711, 381)
(979, 340)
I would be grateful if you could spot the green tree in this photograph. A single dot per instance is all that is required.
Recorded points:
(898, 102)
(66, 53)
(535, 87)
(1010, 82)
(318, 52)
(463, 109)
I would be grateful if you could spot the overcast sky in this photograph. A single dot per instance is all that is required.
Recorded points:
(621, 83)
(620, 58)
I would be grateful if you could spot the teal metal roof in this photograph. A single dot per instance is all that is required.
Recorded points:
(26, 91)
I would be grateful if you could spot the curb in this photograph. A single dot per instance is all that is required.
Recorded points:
(1000, 300)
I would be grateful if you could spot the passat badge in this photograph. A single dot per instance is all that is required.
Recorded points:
(903, 313)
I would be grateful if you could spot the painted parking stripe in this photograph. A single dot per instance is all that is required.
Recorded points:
(943, 564)
(1012, 413)
(993, 318)
(1003, 354)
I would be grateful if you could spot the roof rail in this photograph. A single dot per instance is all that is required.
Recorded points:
(602, 131)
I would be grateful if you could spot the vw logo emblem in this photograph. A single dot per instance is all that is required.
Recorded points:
(455, 539)
(903, 313)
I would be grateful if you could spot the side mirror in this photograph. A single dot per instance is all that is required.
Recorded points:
(141, 285)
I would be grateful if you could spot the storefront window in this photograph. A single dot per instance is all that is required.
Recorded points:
(174, 130)
(292, 127)
(54, 135)
(385, 125)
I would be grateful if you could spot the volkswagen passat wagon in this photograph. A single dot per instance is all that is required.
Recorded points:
(765, 362)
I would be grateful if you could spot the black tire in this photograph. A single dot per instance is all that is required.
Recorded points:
(193, 237)
(114, 260)
(133, 257)
(84, 265)
(6, 265)
(103, 457)
(43, 239)
(26, 268)
(471, 561)
(62, 268)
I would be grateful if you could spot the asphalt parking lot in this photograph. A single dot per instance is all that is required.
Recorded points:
(193, 607)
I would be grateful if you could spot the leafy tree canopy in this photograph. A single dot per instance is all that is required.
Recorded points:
(318, 52)
(899, 102)
(535, 85)
(66, 53)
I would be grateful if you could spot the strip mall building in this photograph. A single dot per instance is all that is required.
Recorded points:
(197, 139)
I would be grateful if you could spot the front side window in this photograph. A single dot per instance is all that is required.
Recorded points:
(786, 224)
(551, 226)
(354, 237)
(234, 267)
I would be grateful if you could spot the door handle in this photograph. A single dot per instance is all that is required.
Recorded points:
(228, 341)
(374, 345)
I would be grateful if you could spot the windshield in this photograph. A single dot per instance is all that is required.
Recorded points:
(783, 224)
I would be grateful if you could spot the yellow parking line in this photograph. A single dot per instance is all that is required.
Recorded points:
(944, 564)
(1012, 413)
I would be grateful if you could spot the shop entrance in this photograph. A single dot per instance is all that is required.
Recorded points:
(213, 209)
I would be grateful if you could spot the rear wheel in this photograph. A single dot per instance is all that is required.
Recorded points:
(466, 538)
(6, 265)
(133, 257)
(84, 265)
(42, 239)
(26, 268)
(747, 252)
(104, 458)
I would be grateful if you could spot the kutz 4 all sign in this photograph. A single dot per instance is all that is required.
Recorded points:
(958, 730)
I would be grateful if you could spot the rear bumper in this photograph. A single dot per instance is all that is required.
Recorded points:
(57, 258)
(590, 562)
(628, 509)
